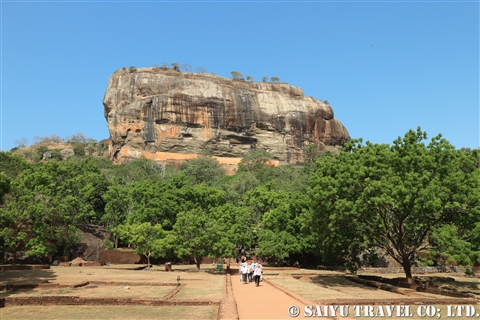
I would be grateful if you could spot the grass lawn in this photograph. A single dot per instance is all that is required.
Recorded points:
(107, 312)
(123, 282)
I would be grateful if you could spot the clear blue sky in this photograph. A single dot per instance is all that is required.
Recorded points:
(385, 67)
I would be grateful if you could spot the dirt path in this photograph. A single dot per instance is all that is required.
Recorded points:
(265, 301)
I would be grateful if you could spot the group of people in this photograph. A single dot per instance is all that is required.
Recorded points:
(250, 272)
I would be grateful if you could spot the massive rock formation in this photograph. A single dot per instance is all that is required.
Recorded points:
(167, 115)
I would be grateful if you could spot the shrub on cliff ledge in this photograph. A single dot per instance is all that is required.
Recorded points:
(236, 75)
(275, 79)
(132, 69)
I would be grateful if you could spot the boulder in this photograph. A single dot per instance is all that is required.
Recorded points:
(92, 244)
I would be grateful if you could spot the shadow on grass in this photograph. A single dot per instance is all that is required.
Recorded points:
(462, 286)
(339, 282)
(25, 279)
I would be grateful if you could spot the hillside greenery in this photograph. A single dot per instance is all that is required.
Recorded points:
(414, 196)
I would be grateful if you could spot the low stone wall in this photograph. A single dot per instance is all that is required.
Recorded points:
(25, 267)
(393, 284)
(73, 300)
(126, 256)
(76, 300)
(122, 257)
(415, 270)
(91, 264)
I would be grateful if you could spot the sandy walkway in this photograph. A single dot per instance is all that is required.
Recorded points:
(263, 302)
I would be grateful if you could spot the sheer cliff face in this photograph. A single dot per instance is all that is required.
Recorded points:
(156, 113)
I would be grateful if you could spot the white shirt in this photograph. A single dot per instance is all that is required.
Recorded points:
(258, 270)
(244, 267)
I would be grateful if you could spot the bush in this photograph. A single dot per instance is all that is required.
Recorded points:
(109, 245)
(132, 69)
(236, 75)
(101, 148)
(56, 154)
(78, 150)
(41, 150)
(469, 271)
(275, 79)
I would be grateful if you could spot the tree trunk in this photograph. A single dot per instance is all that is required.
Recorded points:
(14, 254)
(407, 267)
(4, 248)
(198, 261)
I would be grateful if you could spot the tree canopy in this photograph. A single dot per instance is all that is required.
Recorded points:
(417, 201)
(392, 197)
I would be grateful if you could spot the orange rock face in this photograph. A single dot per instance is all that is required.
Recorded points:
(170, 116)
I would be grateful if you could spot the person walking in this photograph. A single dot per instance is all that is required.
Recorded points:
(251, 269)
(257, 273)
(243, 271)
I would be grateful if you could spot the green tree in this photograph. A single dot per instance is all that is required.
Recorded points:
(196, 232)
(192, 240)
(281, 235)
(239, 184)
(144, 169)
(254, 160)
(36, 218)
(257, 162)
(274, 79)
(203, 170)
(392, 197)
(132, 69)
(265, 79)
(146, 239)
(157, 202)
(249, 78)
(4, 186)
(118, 206)
(12, 164)
(229, 226)
(451, 244)
(47, 204)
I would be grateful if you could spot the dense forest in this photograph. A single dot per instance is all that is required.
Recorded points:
(416, 200)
